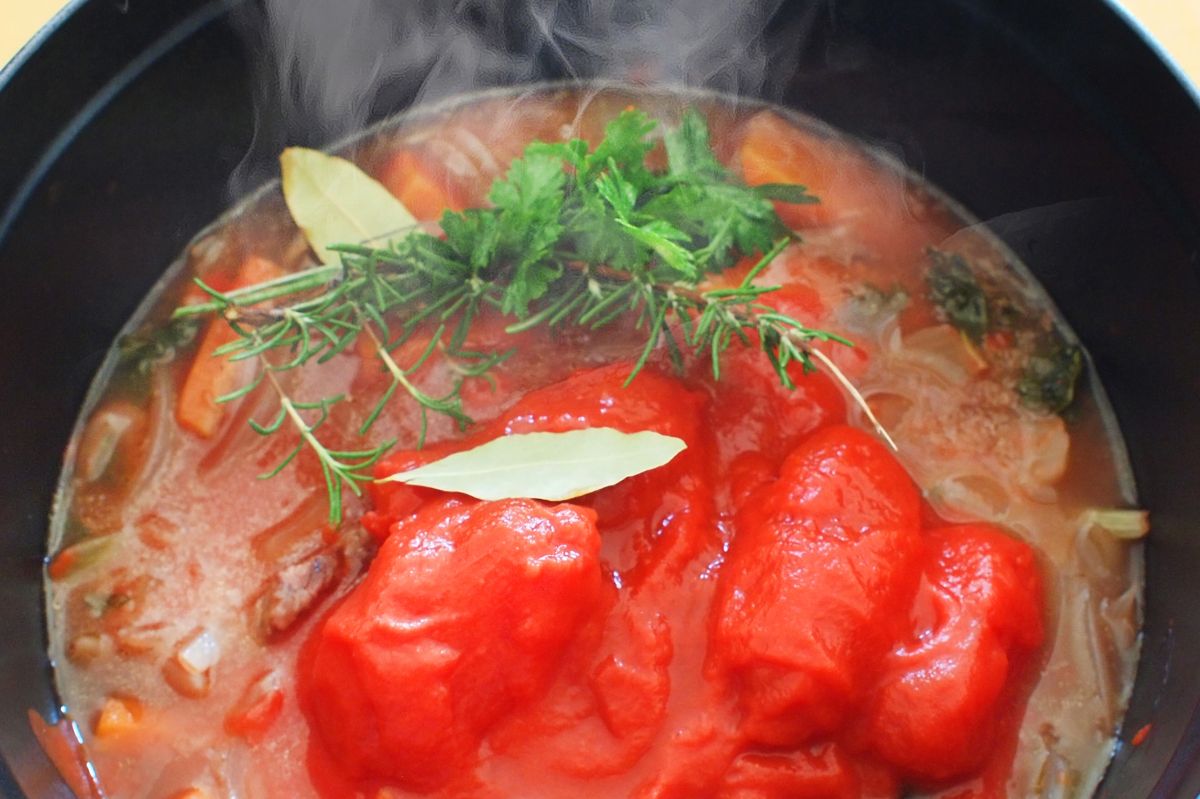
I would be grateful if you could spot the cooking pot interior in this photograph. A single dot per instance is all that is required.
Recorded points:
(133, 125)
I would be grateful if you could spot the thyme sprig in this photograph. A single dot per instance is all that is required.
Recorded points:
(572, 237)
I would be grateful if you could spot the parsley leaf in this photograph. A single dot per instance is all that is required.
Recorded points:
(625, 144)
(786, 193)
(529, 203)
(689, 153)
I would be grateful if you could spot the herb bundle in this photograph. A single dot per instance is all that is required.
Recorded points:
(572, 236)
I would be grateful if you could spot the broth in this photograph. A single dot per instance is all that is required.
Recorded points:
(185, 595)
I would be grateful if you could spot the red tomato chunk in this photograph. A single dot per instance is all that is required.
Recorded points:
(772, 615)
(462, 618)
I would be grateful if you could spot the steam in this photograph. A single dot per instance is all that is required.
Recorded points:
(326, 69)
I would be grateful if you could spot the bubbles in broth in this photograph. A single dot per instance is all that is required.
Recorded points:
(787, 608)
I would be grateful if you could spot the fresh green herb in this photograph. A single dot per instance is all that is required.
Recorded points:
(572, 237)
(550, 466)
(954, 289)
(1048, 382)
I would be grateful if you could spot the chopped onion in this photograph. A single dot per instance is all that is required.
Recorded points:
(945, 351)
(1046, 445)
(889, 408)
(103, 436)
(89, 647)
(200, 653)
(964, 497)
(189, 670)
(1057, 779)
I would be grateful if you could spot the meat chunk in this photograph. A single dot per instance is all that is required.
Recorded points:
(293, 591)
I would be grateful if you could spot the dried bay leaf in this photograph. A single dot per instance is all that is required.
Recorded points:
(548, 466)
(334, 202)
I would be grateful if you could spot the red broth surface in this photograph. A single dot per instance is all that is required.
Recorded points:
(786, 609)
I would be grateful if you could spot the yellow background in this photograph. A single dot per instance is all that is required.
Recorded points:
(1176, 23)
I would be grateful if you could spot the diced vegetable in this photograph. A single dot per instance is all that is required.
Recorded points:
(110, 431)
(774, 151)
(946, 351)
(419, 186)
(1120, 523)
(69, 561)
(200, 653)
(189, 670)
(63, 747)
(89, 647)
(1046, 445)
(117, 717)
(258, 708)
(212, 376)
(190, 793)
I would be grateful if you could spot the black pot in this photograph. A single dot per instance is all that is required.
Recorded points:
(125, 124)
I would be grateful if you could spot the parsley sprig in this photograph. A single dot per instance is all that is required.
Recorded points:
(572, 236)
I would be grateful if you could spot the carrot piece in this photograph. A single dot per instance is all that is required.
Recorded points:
(211, 375)
(63, 563)
(84, 553)
(257, 710)
(418, 185)
(774, 151)
(1141, 735)
(117, 717)
(190, 793)
(65, 751)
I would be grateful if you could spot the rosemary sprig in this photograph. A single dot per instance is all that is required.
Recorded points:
(340, 468)
(572, 237)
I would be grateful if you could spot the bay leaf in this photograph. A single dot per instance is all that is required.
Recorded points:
(548, 466)
(334, 202)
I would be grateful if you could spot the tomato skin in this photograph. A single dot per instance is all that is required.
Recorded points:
(462, 617)
(935, 714)
(824, 561)
(823, 772)
(753, 412)
(259, 707)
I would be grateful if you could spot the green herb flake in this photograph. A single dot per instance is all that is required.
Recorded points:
(954, 289)
(1049, 379)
